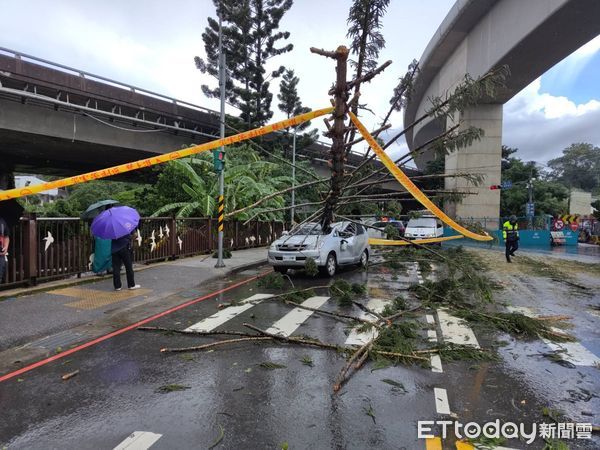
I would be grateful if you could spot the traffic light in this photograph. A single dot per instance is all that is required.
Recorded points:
(218, 160)
(493, 187)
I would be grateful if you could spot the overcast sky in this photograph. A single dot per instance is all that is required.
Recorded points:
(151, 44)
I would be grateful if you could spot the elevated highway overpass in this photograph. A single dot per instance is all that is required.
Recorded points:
(476, 36)
(59, 120)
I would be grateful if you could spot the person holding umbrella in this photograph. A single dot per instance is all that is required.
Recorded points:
(117, 224)
(102, 260)
(10, 213)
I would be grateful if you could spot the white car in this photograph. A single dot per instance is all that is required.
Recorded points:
(424, 228)
(345, 243)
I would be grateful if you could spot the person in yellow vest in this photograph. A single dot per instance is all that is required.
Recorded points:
(510, 234)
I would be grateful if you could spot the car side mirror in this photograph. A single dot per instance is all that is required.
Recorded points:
(285, 233)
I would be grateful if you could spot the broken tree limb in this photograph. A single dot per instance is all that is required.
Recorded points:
(215, 344)
(369, 75)
(196, 333)
(295, 340)
(328, 313)
(342, 375)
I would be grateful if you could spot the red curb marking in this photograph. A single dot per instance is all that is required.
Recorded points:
(45, 361)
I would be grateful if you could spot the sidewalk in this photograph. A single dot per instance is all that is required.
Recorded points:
(69, 312)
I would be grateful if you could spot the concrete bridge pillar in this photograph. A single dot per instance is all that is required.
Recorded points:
(484, 157)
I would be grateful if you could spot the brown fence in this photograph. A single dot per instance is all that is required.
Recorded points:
(44, 249)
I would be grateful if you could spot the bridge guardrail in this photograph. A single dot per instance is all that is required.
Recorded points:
(45, 249)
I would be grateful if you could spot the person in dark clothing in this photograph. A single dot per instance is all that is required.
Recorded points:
(4, 243)
(510, 233)
(121, 251)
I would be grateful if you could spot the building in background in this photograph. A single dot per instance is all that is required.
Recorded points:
(580, 202)
(48, 196)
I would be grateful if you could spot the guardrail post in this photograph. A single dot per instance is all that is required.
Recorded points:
(30, 250)
(173, 237)
(210, 236)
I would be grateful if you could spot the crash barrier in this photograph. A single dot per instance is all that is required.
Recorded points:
(375, 241)
(396, 171)
(411, 187)
(46, 249)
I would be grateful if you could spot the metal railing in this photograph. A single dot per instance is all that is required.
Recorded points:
(85, 74)
(45, 249)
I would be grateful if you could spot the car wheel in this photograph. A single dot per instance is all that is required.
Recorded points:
(364, 259)
(330, 265)
(281, 270)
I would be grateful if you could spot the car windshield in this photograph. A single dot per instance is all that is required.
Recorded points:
(421, 223)
(307, 229)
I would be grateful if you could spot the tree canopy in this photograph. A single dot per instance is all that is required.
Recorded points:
(578, 167)
(250, 39)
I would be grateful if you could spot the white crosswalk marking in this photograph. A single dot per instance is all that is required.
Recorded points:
(442, 406)
(292, 320)
(436, 364)
(573, 352)
(224, 315)
(139, 440)
(455, 330)
(356, 338)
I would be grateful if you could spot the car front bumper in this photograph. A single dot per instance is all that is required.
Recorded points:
(293, 259)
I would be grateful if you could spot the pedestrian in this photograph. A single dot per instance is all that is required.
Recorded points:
(510, 234)
(122, 254)
(4, 243)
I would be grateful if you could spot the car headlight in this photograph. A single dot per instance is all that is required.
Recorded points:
(273, 246)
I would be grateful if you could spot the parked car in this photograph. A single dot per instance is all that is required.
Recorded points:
(380, 232)
(345, 243)
(423, 228)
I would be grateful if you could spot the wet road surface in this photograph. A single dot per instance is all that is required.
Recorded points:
(230, 401)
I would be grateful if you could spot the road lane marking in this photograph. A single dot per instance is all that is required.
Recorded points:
(433, 443)
(442, 406)
(573, 352)
(225, 315)
(436, 364)
(356, 338)
(455, 330)
(296, 317)
(431, 336)
(139, 440)
(130, 327)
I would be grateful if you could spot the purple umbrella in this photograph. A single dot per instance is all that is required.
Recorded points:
(115, 222)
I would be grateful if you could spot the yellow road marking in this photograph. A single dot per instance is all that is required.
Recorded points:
(460, 445)
(434, 443)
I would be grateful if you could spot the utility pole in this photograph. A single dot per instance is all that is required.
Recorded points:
(530, 208)
(220, 203)
(293, 179)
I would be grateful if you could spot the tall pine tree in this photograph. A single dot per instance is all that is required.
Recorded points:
(250, 39)
(364, 25)
(288, 96)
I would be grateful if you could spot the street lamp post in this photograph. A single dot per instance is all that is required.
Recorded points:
(220, 262)
(293, 178)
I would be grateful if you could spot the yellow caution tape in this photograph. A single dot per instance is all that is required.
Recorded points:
(374, 241)
(142, 163)
(411, 187)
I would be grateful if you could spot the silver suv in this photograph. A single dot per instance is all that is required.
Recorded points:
(345, 243)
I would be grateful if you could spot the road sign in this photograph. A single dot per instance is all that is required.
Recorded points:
(574, 226)
(530, 209)
(506, 184)
(559, 224)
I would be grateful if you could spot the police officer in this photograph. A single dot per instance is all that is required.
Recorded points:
(510, 234)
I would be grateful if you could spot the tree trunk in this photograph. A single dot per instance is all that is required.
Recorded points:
(337, 136)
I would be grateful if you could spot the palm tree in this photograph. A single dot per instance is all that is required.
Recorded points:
(247, 179)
